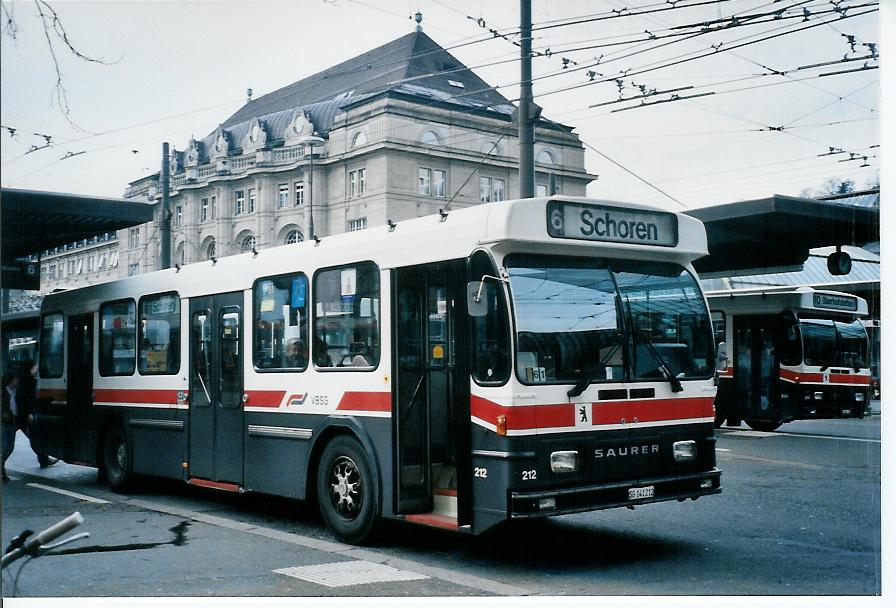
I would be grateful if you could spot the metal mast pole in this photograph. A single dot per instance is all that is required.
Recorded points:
(527, 109)
(165, 215)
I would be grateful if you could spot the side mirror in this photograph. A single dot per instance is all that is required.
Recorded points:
(476, 304)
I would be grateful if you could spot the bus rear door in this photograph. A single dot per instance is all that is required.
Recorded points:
(430, 391)
(216, 388)
(79, 393)
(756, 368)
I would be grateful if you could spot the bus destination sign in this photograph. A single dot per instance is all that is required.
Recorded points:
(835, 302)
(569, 220)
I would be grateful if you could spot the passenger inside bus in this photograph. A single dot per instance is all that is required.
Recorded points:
(296, 354)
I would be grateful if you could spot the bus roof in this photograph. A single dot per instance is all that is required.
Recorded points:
(505, 226)
(776, 300)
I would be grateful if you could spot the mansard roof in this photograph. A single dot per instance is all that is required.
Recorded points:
(413, 64)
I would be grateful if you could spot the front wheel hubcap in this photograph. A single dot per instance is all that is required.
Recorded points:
(346, 488)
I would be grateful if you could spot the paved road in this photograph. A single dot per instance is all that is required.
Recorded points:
(799, 515)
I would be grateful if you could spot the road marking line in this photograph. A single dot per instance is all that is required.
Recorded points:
(722, 450)
(85, 497)
(344, 574)
(452, 576)
(745, 433)
(788, 463)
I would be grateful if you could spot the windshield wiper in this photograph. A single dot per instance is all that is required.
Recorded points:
(589, 369)
(675, 382)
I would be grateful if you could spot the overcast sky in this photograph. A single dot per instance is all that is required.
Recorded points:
(177, 69)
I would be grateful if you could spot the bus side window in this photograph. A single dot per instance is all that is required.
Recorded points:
(118, 338)
(52, 339)
(281, 323)
(159, 334)
(346, 311)
(490, 333)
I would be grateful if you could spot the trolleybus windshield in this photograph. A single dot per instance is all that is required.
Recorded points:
(607, 321)
(827, 343)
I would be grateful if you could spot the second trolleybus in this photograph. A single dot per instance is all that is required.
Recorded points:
(506, 361)
(790, 354)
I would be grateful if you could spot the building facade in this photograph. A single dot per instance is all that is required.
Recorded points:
(399, 132)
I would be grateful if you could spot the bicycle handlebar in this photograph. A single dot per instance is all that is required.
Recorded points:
(34, 543)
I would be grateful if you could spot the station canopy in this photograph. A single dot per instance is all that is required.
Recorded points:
(776, 233)
(33, 221)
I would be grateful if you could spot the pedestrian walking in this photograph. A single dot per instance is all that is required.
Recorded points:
(8, 416)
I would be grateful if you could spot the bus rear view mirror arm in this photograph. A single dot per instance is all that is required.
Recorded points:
(476, 306)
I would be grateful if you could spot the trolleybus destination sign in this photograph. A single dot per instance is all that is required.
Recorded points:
(568, 220)
(835, 302)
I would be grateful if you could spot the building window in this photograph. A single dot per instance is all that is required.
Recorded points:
(178, 215)
(51, 271)
(347, 306)
(424, 177)
(359, 139)
(214, 207)
(133, 269)
(430, 138)
(362, 181)
(357, 224)
(159, 334)
(281, 323)
(294, 236)
(248, 244)
(300, 194)
(541, 190)
(240, 205)
(352, 183)
(491, 189)
(430, 182)
(251, 200)
(72, 265)
(282, 196)
(91, 263)
(203, 210)
(118, 338)
(210, 251)
(133, 238)
(546, 157)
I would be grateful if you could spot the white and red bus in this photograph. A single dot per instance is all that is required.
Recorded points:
(790, 354)
(512, 360)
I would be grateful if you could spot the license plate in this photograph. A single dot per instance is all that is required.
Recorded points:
(636, 493)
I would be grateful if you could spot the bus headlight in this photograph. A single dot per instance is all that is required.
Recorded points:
(819, 395)
(860, 396)
(684, 450)
(565, 462)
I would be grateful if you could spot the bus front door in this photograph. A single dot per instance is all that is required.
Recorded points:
(756, 369)
(216, 388)
(79, 395)
(428, 416)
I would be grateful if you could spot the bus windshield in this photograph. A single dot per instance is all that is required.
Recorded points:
(607, 320)
(827, 343)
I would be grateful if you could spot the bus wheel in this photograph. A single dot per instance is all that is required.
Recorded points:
(347, 490)
(117, 458)
(763, 425)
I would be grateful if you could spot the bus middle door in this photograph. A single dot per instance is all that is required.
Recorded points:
(216, 388)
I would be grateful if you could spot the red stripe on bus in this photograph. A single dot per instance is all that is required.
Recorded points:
(127, 395)
(366, 401)
(818, 378)
(529, 417)
(264, 398)
(433, 519)
(215, 485)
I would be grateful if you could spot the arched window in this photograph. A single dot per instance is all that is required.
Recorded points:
(359, 139)
(431, 138)
(179, 252)
(546, 157)
(294, 236)
(248, 244)
(210, 251)
(490, 147)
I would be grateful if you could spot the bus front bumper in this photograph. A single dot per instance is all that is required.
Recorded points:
(545, 503)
